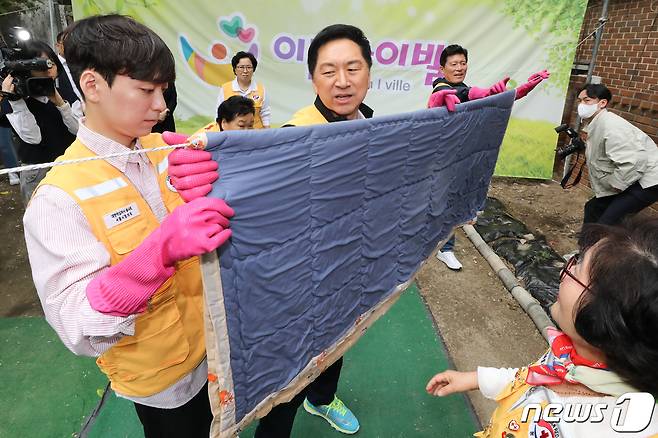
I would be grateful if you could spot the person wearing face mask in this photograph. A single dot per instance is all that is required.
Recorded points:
(244, 66)
(622, 160)
(44, 126)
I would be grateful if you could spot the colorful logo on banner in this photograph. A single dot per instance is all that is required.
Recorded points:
(238, 33)
(293, 48)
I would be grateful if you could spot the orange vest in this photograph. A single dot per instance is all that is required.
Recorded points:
(169, 338)
(258, 96)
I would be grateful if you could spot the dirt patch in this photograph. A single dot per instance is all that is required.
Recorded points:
(17, 292)
(545, 207)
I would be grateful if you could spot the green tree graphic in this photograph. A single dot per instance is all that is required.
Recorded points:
(557, 21)
(93, 7)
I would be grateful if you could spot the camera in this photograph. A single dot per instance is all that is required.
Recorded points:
(12, 62)
(575, 145)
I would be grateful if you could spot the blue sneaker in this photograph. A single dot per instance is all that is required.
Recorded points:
(337, 414)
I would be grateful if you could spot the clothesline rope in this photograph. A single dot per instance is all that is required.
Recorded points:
(83, 160)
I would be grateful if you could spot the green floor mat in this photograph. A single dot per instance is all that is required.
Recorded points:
(383, 382)
(47, 391)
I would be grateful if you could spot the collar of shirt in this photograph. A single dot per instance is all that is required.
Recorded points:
(438, 81)
(365, 112)
(101, 145)
(236, 86)
(588, 127)
(42, 99)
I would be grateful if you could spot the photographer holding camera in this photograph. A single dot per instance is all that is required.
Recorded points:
(41, 119)
(622, 160)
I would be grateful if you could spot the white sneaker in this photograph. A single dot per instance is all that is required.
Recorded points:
(448, 257)
(14, 180)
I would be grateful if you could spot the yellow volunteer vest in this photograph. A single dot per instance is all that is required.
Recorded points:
(506, 420)
(210, 127)
(309, 115)
(169, 339)
(257, 96)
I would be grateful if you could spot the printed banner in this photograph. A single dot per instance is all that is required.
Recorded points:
(504, 38)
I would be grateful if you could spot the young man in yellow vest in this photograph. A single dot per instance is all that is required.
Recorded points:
(339, 60)
(113, 247)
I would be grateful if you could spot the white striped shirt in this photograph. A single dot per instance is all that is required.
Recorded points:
(65, 256)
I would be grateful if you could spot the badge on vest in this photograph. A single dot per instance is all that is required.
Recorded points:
(543, 429)
(255, 97)
(121, 215)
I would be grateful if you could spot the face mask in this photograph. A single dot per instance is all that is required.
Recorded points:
(586, 111)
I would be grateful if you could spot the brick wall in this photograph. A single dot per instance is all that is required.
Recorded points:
(627, 63)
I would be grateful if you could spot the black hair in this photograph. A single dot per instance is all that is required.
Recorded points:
(619, 314)
(338, 32)
(35, 48)
(118, 45)
(60, 36)
(452, 49)
(597, 91)
(238, 56)
(233, 107)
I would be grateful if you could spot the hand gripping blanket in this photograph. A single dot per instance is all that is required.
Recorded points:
(331, 223)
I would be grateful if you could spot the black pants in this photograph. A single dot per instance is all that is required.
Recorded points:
(278, 423)
(190, 420)
(610, 210)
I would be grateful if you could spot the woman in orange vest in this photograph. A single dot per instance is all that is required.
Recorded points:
(244, 66)
(598, 378)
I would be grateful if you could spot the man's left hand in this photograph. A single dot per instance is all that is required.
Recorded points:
(533, 81)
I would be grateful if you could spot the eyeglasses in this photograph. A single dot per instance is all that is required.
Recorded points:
(573, 260)
(244, 67)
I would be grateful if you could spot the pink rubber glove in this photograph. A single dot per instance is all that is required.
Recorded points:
(533, 81)
(477, 93)
(191, 171)
(499, 86)
(445, 98)
(190, 230)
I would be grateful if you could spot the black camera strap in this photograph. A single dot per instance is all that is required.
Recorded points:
(565, 181)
